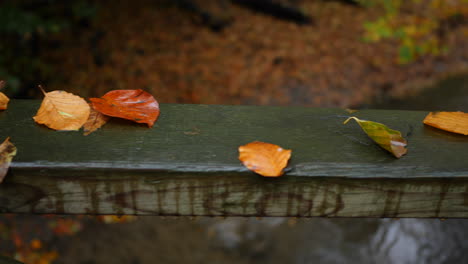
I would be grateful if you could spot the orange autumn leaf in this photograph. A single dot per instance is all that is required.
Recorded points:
(36, 244)
(66, 226)
(62, 111)
(3, 98)
(135, 105)
(94, 122)
(456, 122)
(7, 152)
(266, 159)
(112, 219)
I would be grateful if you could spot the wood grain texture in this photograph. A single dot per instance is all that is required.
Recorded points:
(187, 164)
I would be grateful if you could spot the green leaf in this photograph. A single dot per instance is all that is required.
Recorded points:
(400, 33)
(389, 139)
(406, 54)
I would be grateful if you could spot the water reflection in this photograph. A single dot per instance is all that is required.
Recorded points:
(269, 240)
(329, 241)
(420, 241)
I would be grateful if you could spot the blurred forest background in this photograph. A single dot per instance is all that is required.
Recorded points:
(320, 53)
(276, 52)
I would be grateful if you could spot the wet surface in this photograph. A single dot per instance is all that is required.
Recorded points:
(448, 95)
(270, 240)
(285, 240)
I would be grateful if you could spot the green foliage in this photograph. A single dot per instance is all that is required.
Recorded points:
(14, 20)
(414, 24)
(25, 23)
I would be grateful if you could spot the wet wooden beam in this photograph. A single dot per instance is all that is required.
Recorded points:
(6, 260)
(187, 165)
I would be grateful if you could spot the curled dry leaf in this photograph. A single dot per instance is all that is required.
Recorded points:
(3, 98)
(135, 105)
(389, 139)
(266, 159)
(456, 122)
(7, 152)
(94, 122)
(62, 111)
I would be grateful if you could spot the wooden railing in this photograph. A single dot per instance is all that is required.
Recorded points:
(187, 164)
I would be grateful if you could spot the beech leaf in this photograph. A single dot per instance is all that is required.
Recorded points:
(136, 105)
(7, 152)
(3, 98)
(62, 111)
(456, 122)
(94, 122)
(389, 139)
(266, 159)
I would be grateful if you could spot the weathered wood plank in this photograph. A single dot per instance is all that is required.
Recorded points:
(187, 165)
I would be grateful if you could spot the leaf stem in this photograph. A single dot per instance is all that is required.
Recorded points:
(353, 117)
(42, 89)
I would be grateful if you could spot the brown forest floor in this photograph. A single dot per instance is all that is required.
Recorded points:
(261, 60)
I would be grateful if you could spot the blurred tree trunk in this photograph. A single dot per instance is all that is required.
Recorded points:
(284, 9)
(216, 14)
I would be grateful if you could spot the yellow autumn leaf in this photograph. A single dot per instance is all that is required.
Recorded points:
(389, 139)
(62, 111)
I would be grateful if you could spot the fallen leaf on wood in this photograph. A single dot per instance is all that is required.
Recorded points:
(135, 105)
(266, 159)
(3, 98)
(62, 111)
(94, 122)
(7, 152)
(456, 122)
(389, 139)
